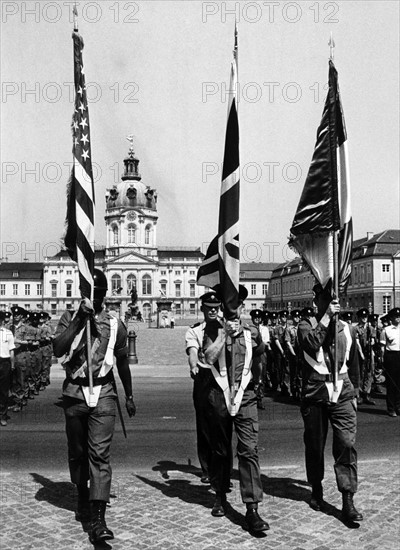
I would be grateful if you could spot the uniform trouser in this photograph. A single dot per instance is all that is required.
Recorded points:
(246, 428)
(89, 434)
(271, 370)
(5, 382)
(366, 375)
(392, 372)
(294, 375)
(46, 365)
(343, 419)
(19, 378)
(37, 358)
(200, 392)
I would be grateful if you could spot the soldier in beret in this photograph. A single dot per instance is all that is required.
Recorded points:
(390, 342)
(232, 403)
(280, 358)
(378, 379)
(322, 404)
(256, 317)
(365, 337)
(271, 354)
(19, 383)
(293, 353)
(46, 339)
(198, 338)
(7, 347)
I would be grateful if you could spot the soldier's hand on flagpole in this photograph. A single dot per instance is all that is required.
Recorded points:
(85, 308)
(333, 308)
(232, 327)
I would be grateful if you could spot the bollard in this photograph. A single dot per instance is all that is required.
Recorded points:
(133, 360)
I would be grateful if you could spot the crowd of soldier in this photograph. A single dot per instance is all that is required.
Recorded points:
(32, 352)
(282, 357)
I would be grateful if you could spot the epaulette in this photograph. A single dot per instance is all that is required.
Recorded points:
(195, 325)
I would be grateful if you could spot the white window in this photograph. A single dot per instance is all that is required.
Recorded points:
(178, 309)
(16, 274)
(386, 273)
(115, 234)
(69, 272)
(264, 289)
(27, 306)
(116, 284)
(131, 282)
(386, 304)
(146, 285)
(177, 272)
(15, 290)
(68, 290)
(192, 290)
(131, 234)
(53, 308)
(2, 290)
(163, 289)
(192, 273)
(147, 234)
(163, 272)
(27, 290)
(178, 290)
(39, 289)
(54, 272)
(192, 308)
(253, 289)
(54, 290)
(253, 306)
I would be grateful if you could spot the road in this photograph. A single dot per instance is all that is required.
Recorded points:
(164, 429)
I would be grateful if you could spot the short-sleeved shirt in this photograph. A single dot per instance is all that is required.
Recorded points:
(72, 389)
(390, 337)
(200, 336)
(6, 342)
(265, 335)
(291, 336)
(237, 349)
(19, 335)
(362, 333)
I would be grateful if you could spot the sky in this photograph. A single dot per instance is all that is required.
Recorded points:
(159, 70)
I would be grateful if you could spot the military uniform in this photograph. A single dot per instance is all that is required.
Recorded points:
(6, 365)
(19, 383)
(46, 336)
(292, 354)
(366, 336)
(198, 338)
(322, 404)
(280, 360)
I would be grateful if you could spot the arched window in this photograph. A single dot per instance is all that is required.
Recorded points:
(131, 282)
(131, 233)
(115, 234)
(146, 285)
(147, 233)
(116, 285)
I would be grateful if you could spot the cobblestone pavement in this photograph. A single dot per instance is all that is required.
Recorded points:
(168, 508)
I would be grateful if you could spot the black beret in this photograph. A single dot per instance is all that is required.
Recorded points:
(363, 312)
(395, 312)
(346, 316)
(256, 313)
(17, 310)
(210, 299)
(307, 312)
(283, 313)
(295, 313)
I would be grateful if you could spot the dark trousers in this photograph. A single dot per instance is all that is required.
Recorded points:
(5, 382)
(343, 419)
(19, 379)
(200, 391)
(89, 433)
(392, 372)
(246, 427)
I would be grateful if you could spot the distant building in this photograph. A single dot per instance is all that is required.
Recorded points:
(374, 283)
(21, 284)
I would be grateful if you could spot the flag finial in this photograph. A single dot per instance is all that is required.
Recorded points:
(75, 13)
(331, 44)
(235, 47)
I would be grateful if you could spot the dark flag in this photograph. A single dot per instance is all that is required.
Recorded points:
(79, 237)
(221, 264)
(324, 207)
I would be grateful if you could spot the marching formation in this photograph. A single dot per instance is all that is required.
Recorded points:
(27, 348)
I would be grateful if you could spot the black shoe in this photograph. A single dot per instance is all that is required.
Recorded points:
(205, 479)
(99, 532)
(254, 522)
(317, 499)
(349, 512)
(218, 510)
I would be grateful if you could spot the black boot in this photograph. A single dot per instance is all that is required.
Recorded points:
(317, 499)
(99, 531)
(255, 523)
(83, 510)
(349, 512)
(218, 509)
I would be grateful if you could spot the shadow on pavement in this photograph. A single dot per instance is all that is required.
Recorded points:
(59, 494)
(165, 466)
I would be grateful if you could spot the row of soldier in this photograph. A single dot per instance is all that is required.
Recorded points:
(32, 352)
(281, 359)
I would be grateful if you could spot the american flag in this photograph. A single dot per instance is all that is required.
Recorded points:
(324, 206)
(79, 237)
(221, 264)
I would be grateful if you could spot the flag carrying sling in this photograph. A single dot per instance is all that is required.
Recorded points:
(221, 263)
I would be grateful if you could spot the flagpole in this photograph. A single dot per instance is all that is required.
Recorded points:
(331, 44)
(88, 328)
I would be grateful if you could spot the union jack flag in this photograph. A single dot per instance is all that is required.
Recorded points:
(221, 263)
(79, 236)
